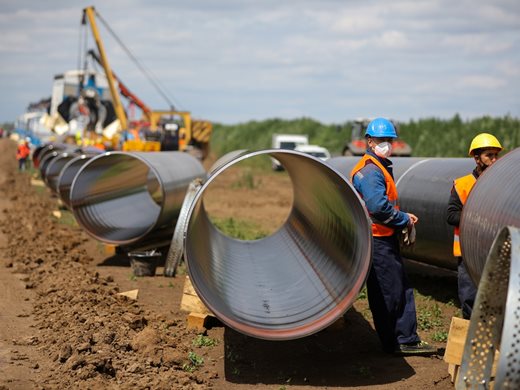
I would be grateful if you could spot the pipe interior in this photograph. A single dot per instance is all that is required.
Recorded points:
(116, 197)
(300, 278)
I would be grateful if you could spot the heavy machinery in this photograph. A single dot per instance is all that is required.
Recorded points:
(86, 109)
(184, 133)
(357, 144)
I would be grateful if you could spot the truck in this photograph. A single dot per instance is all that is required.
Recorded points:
(315, 151)
(357, 144)
(286, 141)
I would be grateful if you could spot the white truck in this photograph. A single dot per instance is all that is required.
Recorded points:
(286, 141)
(314, 150)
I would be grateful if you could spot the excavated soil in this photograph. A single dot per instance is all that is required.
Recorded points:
(64, 326)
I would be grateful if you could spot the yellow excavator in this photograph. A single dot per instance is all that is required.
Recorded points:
(191, 135)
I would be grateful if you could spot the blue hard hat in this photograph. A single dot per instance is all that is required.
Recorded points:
(381, 128)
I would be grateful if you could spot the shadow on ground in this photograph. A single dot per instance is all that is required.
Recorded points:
(345, 354)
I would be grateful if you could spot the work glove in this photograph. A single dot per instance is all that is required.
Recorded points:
(407, 236)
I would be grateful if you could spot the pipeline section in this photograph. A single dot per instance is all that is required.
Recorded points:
(299, 279)
(494, 202)
(54, 168)
(67, 175)
(123, 197)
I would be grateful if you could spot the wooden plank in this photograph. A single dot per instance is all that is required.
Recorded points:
(197, 321)
(190, 301)
(37, 183)
(110, 250)
(132, 294)
(456, 340)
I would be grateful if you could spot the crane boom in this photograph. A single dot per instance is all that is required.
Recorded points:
(89, 12)
(123, 88)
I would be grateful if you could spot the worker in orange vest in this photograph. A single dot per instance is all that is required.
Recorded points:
(390, 296)
(22, 154)
(484, 149)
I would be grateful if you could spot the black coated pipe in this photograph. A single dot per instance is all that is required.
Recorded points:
(424, 187)
(494, 202)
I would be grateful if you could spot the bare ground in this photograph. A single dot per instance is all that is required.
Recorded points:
(63, 326)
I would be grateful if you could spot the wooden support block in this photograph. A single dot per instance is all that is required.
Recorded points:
(110, 250)
(57, 214)
(453, 370)
(190, 301)
(456, 340)
(132, 294)
(37, 183)
(197, 321)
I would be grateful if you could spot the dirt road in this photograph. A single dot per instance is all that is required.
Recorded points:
(64, 326)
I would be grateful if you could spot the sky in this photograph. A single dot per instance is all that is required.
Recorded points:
(232, 61)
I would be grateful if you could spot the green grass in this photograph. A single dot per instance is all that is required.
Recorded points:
(239, 229)
(204, 341)
(194, 362)
(247, 180)
(440, 336)
(67, 218)
(429, 317)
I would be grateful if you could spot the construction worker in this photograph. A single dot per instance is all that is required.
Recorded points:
(484, 149)
(390, 296)
(22, 154)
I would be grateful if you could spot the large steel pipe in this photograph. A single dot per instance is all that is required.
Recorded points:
(41, 151)
(424, 190)
(121, 198)
(424, 186)
(67, 175)
(301, 278)
(49, 155)
(54, 168)
(494, 202)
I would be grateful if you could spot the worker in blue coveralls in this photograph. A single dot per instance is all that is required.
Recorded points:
(390, 296)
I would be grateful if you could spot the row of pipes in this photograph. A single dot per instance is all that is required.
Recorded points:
(305, 275)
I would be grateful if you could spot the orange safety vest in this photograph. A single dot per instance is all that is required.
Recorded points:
(463, 186)
(378, 229)
(23, 151)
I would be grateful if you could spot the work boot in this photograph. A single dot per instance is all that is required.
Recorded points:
(419, 348)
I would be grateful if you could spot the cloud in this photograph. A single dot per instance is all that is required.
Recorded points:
(234, 58)
(482, 82)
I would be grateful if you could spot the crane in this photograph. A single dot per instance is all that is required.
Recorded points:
(193, 135)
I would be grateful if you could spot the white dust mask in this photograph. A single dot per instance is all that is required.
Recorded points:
(383, 150)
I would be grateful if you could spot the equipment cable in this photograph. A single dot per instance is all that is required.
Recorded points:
(152, 78)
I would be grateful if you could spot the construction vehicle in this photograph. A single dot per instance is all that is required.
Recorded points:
(86, 109)
(192, 135)
(357, 145)
(286, 141)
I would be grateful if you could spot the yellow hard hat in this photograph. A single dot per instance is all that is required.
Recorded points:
(484, 140)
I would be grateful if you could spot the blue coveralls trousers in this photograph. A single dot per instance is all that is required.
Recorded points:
(466, 289)
(390, 296)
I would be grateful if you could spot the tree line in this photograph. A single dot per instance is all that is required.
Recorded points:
(429, 137)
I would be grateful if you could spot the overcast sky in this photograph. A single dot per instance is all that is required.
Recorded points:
(231, 61)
